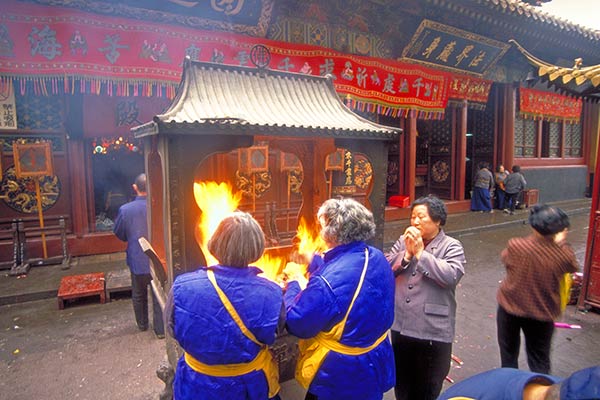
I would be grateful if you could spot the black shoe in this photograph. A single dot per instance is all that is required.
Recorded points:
(143, 328)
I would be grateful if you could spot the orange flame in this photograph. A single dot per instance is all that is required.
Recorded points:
(217, 201)
(271, 266)
(309, 241)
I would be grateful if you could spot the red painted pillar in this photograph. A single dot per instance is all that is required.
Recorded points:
(411, 157)
(461, 153)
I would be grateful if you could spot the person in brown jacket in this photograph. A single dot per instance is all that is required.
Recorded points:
(529, 297)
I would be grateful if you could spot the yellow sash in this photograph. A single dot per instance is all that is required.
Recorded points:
(565, 291)
(263, 361)
(313, 351)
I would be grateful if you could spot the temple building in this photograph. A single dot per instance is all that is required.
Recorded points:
(458, 82)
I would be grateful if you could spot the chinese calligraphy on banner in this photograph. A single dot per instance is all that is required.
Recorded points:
(550, 106)
(64, 51)
(444, 46)
(8, 110)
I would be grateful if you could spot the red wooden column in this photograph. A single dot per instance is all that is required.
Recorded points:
(507, 125)
(76, 159)
(79, 211)
(590, 295)
(411, 157)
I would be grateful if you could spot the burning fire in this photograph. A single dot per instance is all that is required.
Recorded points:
(217, 201)
(309, 242)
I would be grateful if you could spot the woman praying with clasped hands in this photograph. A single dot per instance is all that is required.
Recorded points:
(427, 266)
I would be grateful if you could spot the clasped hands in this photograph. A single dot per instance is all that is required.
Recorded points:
(413, 242)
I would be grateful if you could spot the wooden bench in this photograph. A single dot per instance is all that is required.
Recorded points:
(27, 229)
(9, 232)
(117, 281)
(77, 286)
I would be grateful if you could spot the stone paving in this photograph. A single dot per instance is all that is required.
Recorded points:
(92, 351)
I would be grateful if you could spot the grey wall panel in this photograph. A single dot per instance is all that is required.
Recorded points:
(557, 184)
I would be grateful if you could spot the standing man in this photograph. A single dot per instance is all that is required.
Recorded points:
(130, 225)
(513, 185)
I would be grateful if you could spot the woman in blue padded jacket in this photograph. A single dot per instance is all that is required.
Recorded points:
(344, 313)
(225, 317)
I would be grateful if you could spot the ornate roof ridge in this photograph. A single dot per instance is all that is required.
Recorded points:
(529, 11)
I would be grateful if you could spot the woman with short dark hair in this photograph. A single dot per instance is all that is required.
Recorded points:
(428, 265)
(344, 313)
(529, 296)
(224, 317)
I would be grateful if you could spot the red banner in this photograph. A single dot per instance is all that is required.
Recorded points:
(469, 88)
(53, 49)
(549, 106)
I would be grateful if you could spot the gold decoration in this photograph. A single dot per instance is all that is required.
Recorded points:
(243, 182)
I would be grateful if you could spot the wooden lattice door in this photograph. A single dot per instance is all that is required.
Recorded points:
(480, 143)
(441, 157)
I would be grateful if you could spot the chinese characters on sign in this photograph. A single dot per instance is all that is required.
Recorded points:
(71, 53)
(8, 110)
(549, 106)
(440, 45)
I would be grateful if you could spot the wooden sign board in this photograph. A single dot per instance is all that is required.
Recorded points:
(442, 46)
(33, 159)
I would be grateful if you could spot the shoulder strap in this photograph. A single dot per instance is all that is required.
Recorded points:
(338, 329)
(229, 307)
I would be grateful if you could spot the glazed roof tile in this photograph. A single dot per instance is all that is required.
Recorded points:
(259, 102)
(529, 11)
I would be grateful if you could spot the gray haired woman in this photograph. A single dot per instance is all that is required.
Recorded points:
(344, 313)
(224, 317)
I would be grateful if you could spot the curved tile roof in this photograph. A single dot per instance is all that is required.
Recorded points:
(519, 8)
(581, 81)
(259, 102)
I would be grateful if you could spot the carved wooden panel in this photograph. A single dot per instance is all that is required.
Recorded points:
(480, 124)
(440, 157)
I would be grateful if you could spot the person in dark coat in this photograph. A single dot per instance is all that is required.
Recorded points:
(130, 225)
(514, 184)
(499, 192)
(483, 184)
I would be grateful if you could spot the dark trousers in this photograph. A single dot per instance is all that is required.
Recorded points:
(511, 198)
(500, 199)
(538, 338)
(139, 298)
(421, 367)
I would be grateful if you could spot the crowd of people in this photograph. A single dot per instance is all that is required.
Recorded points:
(501, 190)
(367, 321)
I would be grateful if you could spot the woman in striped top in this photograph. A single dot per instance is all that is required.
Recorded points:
(529, 296)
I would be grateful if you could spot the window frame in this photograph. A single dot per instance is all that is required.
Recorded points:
(542, 156)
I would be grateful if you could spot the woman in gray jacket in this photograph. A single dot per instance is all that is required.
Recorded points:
(513, 185)
(427, 265)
